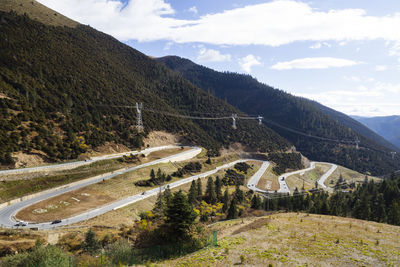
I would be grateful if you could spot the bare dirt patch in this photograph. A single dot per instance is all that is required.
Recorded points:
(23, 160)
(161, 138)
(64, 206)
(234, 148)
(107, 148)
(252, 225)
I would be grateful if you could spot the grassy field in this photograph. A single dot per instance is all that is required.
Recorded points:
(290, 239)
(17, 188)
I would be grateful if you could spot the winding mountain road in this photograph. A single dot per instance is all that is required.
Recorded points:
(75, 164)
(7, 213)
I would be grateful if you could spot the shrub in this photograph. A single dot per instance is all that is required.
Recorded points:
(120, 252)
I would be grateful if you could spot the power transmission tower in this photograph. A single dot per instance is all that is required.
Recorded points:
(234, 117)
(393, 154)
(139, 121)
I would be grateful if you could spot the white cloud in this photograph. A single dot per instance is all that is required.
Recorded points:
(249, 61)
(316, 46)
(381, 68)
(314, 63)
(370, 99)
(193, 9)
(273, 23)
(211, 55)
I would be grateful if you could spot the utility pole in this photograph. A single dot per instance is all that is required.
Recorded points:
(139, 121)
(259, 118)
(234, 118)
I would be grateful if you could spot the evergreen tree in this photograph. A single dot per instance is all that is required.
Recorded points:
(152, 175)
(256, 202)
(238, 195)
(159, 174)
(218, 188)
(179, 216)
(210, 194)
(394, 213)
(199, 190)
(167, 195)
(233, 210)
(91, 244)
(225, 200)
(192, 193)
(159, 206)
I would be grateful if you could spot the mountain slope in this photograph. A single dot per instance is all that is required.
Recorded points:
(59, 85)
(298, 114)
(386, 126)
(359, 127)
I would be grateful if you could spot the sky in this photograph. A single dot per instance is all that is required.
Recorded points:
(344, 54)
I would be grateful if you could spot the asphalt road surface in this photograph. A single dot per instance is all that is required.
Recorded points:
(75, 164)
(7, 214)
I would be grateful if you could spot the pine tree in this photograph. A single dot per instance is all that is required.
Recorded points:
(238, 195)
(167, 195)
(159, 174)
(218, 188)
(210, 194)
(256, 202)
(91, 244)
(225, 200)
(152, 175)
(159, 206)
(394, 213)
(179, 216)
(232, 211)
(199, 190)
(192, 193)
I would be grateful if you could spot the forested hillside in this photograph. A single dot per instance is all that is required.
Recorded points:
(298, 114)
(58, 86)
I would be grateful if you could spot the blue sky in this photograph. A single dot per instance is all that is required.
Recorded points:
(343, 53)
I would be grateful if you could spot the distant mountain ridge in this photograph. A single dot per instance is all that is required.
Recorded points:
(386, 126)
(296, 113)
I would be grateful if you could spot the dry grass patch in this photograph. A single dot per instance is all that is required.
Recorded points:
(349, 176)
(290, 239)
(64, 206)
(307, 178)
(268, 181)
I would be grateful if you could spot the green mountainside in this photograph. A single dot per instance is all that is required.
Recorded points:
(281, 110)
(58, 85)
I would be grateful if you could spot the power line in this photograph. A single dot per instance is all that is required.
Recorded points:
(235, 117)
